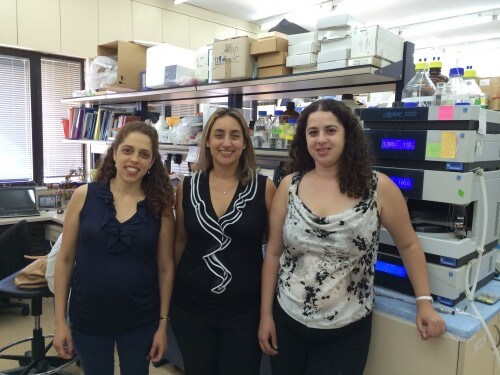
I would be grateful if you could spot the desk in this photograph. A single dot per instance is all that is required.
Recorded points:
(396, 347)
(45, 227)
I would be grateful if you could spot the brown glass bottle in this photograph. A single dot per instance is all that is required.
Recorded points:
(435, 71)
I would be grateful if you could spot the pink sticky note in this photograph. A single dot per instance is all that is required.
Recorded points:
(445, 112)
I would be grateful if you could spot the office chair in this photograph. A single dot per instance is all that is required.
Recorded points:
(13, 246)
(35, 361)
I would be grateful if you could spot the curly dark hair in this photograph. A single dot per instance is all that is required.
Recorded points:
(155, 184)
(247, 166)
(355, 164)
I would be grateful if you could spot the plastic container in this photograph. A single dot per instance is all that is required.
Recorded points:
(420, 88)
(471, 87)
(260, 133)
(290, 131)
(276, 141)
(435, 74)
(455, 93)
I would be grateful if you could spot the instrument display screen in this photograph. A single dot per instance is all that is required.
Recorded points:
(404, 183)
(398, 144)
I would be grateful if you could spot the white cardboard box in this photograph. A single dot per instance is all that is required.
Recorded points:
(306, 59)
(335, 44)
(163, 55)
(332, 65)
(376, 41)
(334, 33)
(203, 64)
(304, 69)
(371, 60)
(311, 36)
(334, 55)
(338, 20)
(307, 47)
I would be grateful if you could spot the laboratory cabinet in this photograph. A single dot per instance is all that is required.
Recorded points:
(396, 348)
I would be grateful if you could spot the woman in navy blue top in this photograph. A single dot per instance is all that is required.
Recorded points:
(117, 257)
(221, 213)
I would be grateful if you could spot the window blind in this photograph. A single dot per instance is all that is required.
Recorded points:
(59, 80)
(16, 151)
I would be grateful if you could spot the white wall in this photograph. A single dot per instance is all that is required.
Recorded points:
(76, 27)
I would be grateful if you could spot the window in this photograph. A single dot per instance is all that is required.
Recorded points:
(59, 80)
(16, 152)
(31, 89)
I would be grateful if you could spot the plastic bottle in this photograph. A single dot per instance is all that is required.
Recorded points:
(435, 74)
(471, 87)
(455, 89)
(275, 139)
(290, 131)
(419, 91)
(260, 136)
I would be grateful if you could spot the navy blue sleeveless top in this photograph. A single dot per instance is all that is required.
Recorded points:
(114, 286)
(220, 269)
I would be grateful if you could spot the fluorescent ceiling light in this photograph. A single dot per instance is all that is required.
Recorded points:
(177, 2)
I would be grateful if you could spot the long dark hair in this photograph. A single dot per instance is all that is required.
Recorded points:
(247, 166)
(155, 184)
(355, 164)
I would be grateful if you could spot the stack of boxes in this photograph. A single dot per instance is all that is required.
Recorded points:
(271, 51)
(491, 88)
(334, 33)
(303, 52)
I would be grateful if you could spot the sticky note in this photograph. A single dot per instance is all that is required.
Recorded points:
(432, 150)
(445, 112)
(448, 145)
(461, 193)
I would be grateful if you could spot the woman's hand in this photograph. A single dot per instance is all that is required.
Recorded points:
(159, 346)
(267, 336)
(63, 341)
(429, 322)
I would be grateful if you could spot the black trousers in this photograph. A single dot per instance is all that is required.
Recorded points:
(312, 351)
(217, 345)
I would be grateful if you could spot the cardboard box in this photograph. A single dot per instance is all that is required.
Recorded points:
(268, 45)
(494, 104)
(376, 41)
(270, 34)
(131, 60)
(203, 64)
(338, 21)
(335, 44)
(311, 36)
(334, 55)
(304, 69)
(273, 71)
(305, 59)
(371, 60)
(231, 59)
(338, 64)
(272, 59)
(334, 34)
(162, 55)
(307, 47)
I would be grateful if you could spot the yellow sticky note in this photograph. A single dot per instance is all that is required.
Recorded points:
(448, 145)
(432, 150)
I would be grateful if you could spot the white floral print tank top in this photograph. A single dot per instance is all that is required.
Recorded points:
(327, 267)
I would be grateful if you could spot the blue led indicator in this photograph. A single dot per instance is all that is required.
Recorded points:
(391, 269)
(398, 144)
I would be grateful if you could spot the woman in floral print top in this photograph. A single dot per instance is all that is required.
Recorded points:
(318, 273)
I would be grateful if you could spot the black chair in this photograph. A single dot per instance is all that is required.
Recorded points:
(35, 361)
(13, 246)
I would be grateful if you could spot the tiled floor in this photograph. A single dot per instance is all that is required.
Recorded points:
(14, 327)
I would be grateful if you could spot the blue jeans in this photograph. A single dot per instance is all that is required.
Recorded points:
(97, 352)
